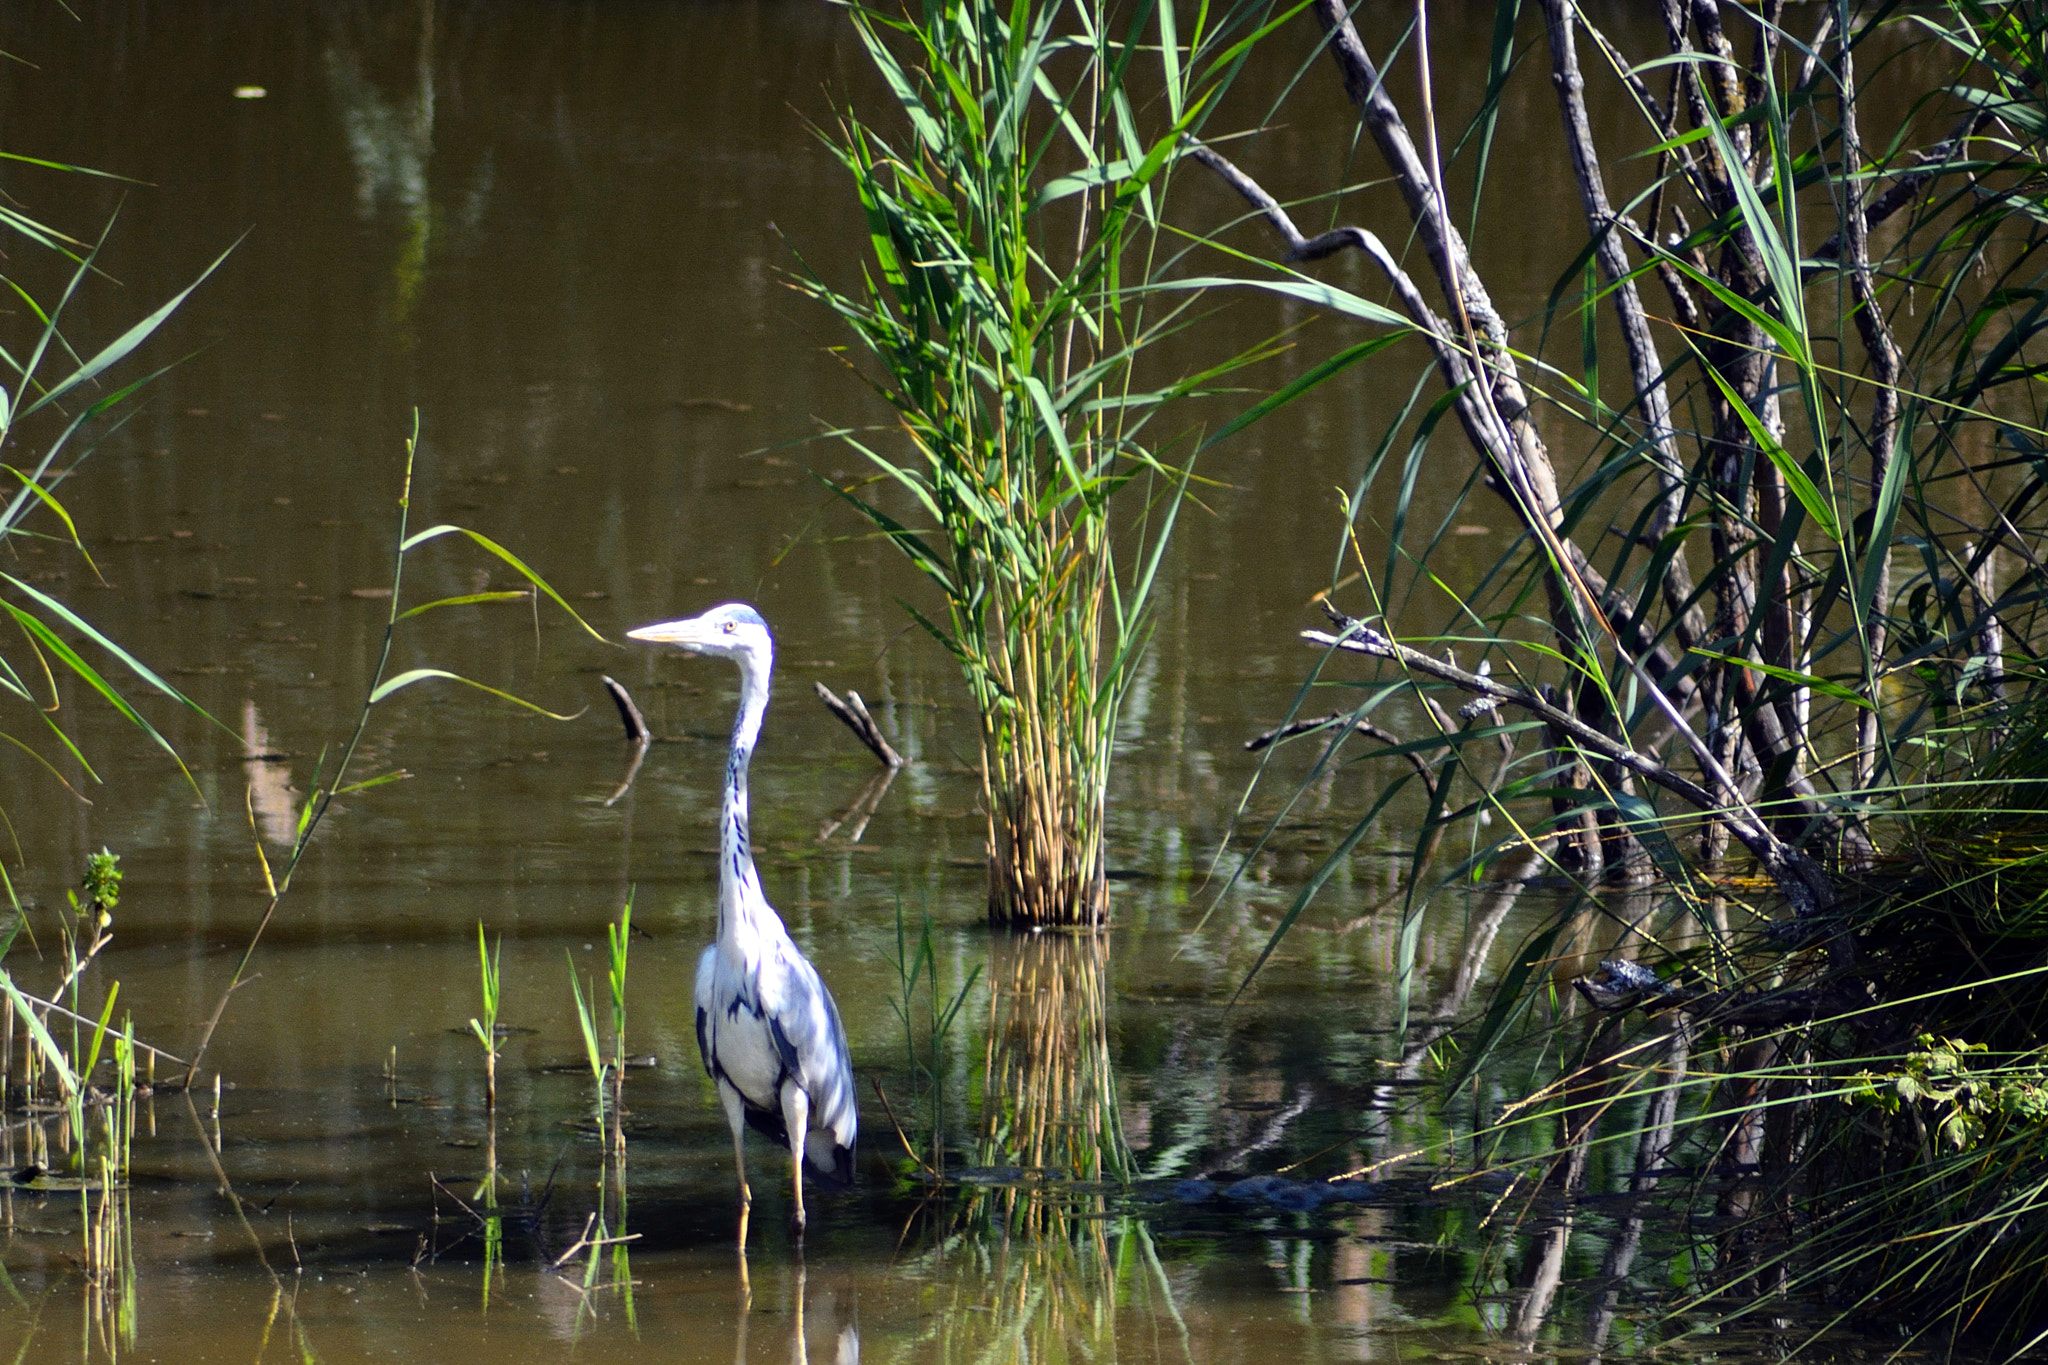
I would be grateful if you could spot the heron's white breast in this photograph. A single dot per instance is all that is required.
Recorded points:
(746, 1054)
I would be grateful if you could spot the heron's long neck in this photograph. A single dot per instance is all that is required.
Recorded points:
(737, 878)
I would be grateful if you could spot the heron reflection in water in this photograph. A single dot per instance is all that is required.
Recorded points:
(768, 1028)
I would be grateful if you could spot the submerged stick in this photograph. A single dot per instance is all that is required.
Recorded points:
(1361, 727)
(629, 714)
(1622, 985)
(637, 733)
(854, 713)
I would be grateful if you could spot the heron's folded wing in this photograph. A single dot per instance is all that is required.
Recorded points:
(707, 980)
(812, 1041)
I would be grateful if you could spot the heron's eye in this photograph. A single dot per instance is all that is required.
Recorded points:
(728, 627)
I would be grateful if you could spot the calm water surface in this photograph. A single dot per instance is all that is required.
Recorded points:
(559, 233)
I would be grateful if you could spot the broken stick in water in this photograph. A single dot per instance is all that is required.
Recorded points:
(629, 714)
(854, 712)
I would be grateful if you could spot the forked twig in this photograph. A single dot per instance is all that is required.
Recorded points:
(1805, 885)
(854, 713)
(585, 1242)
(1360, 727)
(901, 1136)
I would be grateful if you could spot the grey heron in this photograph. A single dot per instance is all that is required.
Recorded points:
(768, 1028)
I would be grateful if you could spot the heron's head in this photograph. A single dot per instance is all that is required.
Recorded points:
(733, 631)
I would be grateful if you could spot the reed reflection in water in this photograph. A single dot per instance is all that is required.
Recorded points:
(1048, 1086)
(1037, 1264)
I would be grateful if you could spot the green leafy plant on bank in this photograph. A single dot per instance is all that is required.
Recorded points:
(1968, 1091)
(1759, 674)
(94, 1145)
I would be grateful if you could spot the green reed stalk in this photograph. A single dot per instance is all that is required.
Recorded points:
(380, 688)
(486, 1028)
(926, 1065)
(1015, 233)
(619, 947)
(124, 1093)
(586, 1020)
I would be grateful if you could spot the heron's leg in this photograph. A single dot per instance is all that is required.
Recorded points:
(796, 1117)
(736, 1118)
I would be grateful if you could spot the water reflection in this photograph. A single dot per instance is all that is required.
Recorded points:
(589, 394)
(271, 796)
(1048, 1084)
(1039, 1256)
(853, 820)
(390, 139)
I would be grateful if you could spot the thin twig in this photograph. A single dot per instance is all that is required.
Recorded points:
(901, 1136)
(1359, 727)
(37, 1002)
(1805, 884)
(586, 1242)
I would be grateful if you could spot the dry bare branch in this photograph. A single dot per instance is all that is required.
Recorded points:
(853, 712)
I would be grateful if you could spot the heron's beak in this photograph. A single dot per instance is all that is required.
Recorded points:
(691, 634)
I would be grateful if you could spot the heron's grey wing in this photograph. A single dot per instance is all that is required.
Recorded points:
(707, 986)
(812, 1042)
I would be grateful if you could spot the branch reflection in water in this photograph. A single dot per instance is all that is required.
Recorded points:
(1614, 1112)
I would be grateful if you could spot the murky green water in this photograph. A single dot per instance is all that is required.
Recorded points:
(558, 233)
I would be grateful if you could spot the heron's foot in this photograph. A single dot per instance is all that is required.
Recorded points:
(796, 1225)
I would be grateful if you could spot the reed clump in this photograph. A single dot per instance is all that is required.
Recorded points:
(1013, 215)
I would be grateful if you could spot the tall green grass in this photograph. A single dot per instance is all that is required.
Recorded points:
(330, 785)
(1014, 218)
